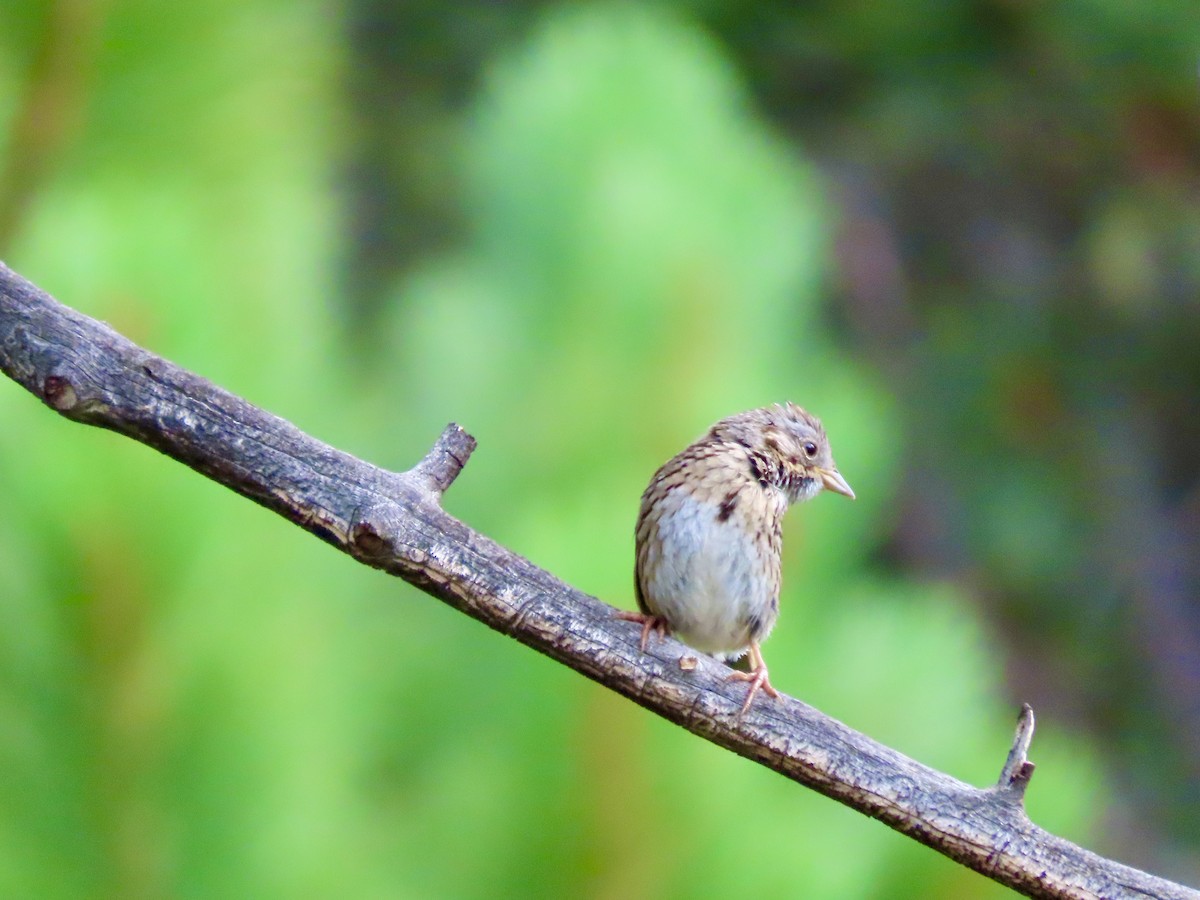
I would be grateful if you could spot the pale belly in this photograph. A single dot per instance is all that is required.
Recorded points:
(710, 580)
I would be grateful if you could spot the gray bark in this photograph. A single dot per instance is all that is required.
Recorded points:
(394, 521)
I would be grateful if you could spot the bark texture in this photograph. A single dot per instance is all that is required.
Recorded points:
(394, 521)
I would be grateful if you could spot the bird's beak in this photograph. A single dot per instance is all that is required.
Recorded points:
(832, 480)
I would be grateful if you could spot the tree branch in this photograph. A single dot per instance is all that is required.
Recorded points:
(394, 521)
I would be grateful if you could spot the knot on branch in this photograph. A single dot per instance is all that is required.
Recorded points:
(59, 393)
(367, 542)
(74, 397)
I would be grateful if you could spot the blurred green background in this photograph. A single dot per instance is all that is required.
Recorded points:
(966, 235)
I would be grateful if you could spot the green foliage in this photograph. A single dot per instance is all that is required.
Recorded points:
(646, 259)
(197, 700)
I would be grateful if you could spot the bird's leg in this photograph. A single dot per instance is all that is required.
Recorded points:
(648, 622)
(757, 676)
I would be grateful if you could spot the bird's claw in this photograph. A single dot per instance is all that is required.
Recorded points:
(757, 679)
(757, 676)
(648, 622)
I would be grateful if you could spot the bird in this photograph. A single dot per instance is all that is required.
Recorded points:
(709, 533)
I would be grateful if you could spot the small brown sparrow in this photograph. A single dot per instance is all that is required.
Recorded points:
(709, 533)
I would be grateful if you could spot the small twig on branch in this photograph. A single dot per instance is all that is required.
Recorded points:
(1017, 770)
(394, 521)
(445, 460)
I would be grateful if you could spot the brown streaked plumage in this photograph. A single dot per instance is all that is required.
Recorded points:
(709, 532)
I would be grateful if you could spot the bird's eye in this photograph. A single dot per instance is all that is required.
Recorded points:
(810, 449)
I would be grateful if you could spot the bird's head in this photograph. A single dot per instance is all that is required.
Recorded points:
(789, 448)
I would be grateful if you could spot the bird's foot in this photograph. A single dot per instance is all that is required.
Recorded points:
(648, 622)
(757, 676)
